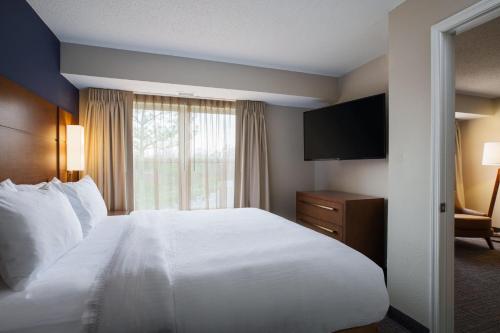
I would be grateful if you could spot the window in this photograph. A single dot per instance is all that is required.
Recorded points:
(184, 151)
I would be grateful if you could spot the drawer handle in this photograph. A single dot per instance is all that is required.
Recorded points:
(325, 207)
(335, 232)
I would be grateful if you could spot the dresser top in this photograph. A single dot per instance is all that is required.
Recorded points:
(338, 196)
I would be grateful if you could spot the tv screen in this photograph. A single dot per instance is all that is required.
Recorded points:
(346, 131)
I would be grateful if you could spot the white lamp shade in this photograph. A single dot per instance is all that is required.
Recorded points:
(74, 148)
(491, 153)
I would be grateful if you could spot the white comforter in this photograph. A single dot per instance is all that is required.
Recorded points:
(237, 270)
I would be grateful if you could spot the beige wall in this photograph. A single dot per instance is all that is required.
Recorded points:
(473, 104)
(288, 170)
(131, 65)
(366, 80)
(479, 179)
(409, 225)
(358, 176)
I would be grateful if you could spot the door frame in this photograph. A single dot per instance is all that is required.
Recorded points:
(442, 156)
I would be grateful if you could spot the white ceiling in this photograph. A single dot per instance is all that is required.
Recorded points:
(477, 60)
(329, 37)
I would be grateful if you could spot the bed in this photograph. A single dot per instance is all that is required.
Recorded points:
(240, 270)
(234, 270)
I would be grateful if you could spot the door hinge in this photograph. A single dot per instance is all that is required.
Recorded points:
(442, 207)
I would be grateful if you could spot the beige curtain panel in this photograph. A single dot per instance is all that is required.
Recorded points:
(459, 181)
(251, 165)
(106, 116)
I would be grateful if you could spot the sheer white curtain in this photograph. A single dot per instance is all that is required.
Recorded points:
(157, 154)
(183, 153)
(211, 160)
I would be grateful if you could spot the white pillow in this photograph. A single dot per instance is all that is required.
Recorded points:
(86, 200)
(27, 187)
(36, 228)
(8, 185)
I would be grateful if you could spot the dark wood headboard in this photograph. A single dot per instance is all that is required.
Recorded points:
(32, 136)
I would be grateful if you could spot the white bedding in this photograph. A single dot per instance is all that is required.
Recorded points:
(236, 270)
(55, 302)
(240, 270)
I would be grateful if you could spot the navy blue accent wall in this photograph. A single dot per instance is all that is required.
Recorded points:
(29, 55)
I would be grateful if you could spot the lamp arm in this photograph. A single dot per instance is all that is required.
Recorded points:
(494, 194)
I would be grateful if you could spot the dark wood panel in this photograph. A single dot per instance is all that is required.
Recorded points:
(29, 146)
(366, 231)
(23, 110)
(26, 159)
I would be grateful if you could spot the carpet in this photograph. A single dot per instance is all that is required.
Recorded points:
(390, 326)
(477, 286)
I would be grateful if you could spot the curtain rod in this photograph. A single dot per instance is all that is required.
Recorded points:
(184, 96)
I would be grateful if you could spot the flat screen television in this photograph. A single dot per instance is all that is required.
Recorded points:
(347, 131)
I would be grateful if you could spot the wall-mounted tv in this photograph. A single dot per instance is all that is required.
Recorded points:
(347, 131)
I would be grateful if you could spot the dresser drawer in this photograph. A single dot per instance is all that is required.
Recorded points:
(321, 210)
(326, 228)
(354, 219)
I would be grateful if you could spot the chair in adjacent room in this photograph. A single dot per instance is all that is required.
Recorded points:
(471, 223)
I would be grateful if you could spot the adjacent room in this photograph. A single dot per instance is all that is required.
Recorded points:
(477, 217)
(245, 166)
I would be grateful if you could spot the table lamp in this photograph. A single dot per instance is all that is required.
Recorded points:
(75, 155)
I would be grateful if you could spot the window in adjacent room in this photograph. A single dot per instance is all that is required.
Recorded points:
(184, 152)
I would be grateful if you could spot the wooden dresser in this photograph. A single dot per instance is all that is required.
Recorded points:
(354, 219)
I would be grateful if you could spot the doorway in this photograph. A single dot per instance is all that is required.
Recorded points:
(443, 156)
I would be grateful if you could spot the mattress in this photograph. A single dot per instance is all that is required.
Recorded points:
(56, 300)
